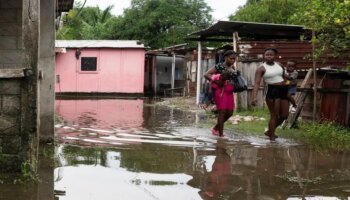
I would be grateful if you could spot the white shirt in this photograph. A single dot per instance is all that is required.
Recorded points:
(273, 73)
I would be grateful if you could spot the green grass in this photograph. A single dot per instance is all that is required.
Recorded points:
(326, 136)
(322, 137)
(254, 112)
(255, 127)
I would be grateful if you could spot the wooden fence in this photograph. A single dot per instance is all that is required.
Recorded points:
(243, 99)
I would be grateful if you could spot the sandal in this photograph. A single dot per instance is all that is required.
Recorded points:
(215, 132)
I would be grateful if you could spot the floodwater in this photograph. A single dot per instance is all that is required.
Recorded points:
(131, 150)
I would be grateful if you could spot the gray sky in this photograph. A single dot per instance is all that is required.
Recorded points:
(221, 8)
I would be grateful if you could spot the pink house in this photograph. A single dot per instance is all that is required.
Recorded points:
(99, 66)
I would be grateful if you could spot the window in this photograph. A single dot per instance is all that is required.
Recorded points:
(88, 64)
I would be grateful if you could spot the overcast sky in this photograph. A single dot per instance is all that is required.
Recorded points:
(221, 8)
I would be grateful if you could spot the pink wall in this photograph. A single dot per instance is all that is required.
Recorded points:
(118, 71)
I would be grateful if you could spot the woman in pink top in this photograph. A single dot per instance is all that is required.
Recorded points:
(220, 76)
(223, 98)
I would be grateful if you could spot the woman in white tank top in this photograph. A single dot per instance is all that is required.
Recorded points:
(276, 96)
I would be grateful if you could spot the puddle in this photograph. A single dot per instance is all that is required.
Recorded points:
(126, 149)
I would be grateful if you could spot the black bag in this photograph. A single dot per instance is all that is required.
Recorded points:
(240, 84)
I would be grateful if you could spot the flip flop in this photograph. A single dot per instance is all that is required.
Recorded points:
(214, 132)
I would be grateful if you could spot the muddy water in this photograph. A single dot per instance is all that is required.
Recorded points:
(128, 149)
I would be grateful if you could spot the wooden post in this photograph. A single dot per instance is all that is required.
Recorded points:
(234, 37)
(199, 71)
(154, 66)
(173, 71)
(314, 76)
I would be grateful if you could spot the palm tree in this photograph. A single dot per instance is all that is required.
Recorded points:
(86, 23)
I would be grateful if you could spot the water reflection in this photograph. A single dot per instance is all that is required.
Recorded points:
(119, 122)
(243, 172)
(141, 173)
(165, 172)
(11, 189)
(159, 153)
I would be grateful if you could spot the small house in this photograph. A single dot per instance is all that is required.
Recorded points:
(99, 66)
(165, 70)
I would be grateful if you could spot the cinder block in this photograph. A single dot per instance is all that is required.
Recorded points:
(9, 125)
(11, 56)
(11, 4)
(9, 29)
(11, 105)
(10, 163)
(10, 145)
(11, 86)
(20, 44)
(7, 42)
(8, 15)
(19, 16)
(11, 66)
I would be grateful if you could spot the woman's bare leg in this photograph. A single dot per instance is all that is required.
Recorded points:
(292, 100)
(283, 111)
(273, 106)
(222, 117)
(220, 123)
(228, 114)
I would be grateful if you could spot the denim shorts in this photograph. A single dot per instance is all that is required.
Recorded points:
(292, 90)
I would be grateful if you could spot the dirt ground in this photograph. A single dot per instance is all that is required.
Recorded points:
(182, 103)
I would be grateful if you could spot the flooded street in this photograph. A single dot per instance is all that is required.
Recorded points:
(126, 149)
(129, 149)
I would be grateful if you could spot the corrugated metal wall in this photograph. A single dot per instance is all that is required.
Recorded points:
(335, 104)
(300, 51)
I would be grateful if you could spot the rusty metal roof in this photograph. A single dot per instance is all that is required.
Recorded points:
(223, 31)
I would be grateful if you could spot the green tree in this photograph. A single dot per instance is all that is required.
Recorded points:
(267, 11)
(252, 1)
(330, 19)
(87, 23)
(161, 23)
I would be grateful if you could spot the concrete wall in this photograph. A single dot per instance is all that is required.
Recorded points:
(11, 42)
(29, 84)
(19, 79)
(46, 67)
(11, 57)
(118, 71)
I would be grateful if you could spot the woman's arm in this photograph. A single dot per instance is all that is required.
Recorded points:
(258, 76)
(209, 73)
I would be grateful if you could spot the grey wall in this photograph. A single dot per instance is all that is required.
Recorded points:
(46, 66)
(11, 57)
(11, 42)
(19, 79)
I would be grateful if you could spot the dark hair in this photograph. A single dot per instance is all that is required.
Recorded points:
(226, 75)
(229, 52)
(292, 61)
(271, 49)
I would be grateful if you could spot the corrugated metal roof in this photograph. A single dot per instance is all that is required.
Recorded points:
(99, 44)
(252, 30)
